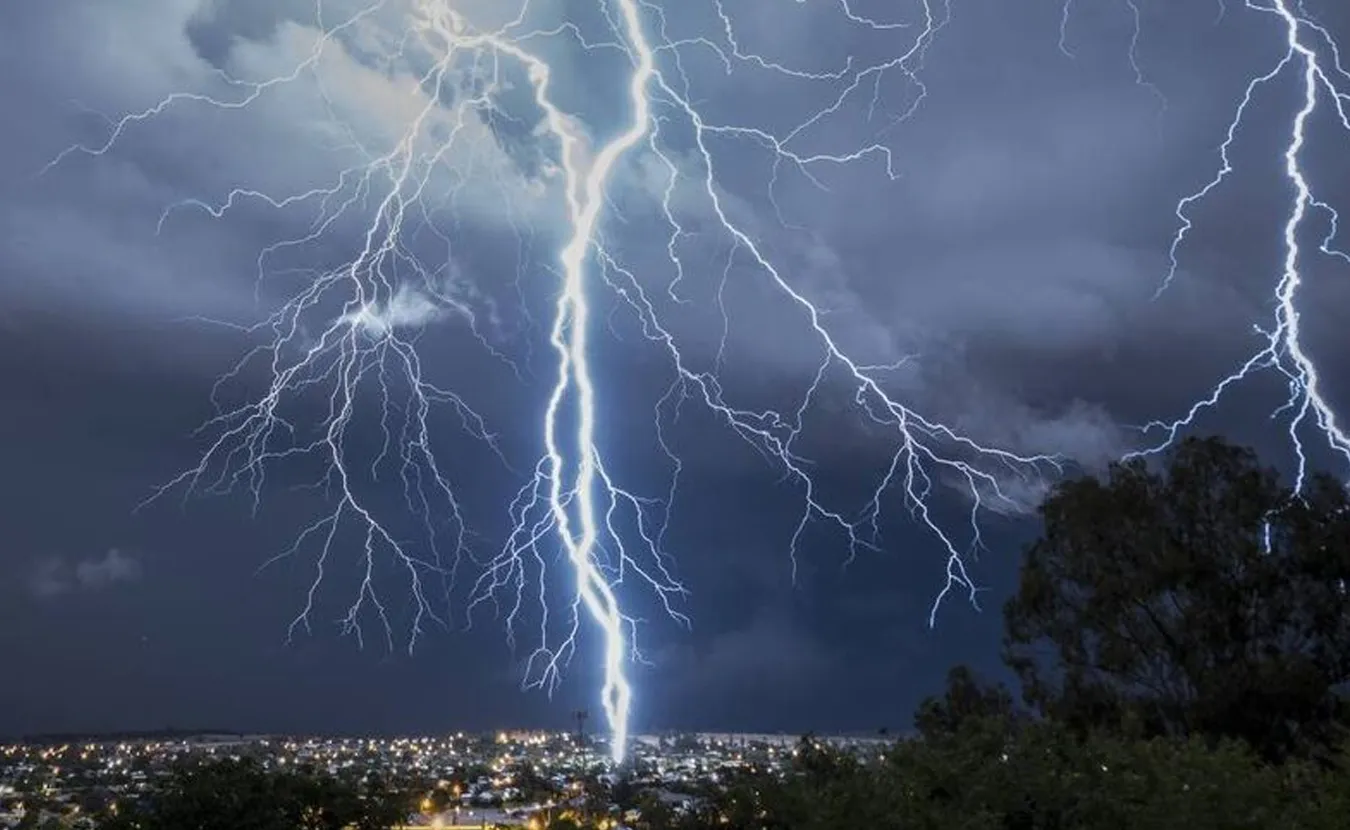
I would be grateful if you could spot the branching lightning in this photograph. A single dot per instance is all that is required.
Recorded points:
(348, 336)
(1313, 57)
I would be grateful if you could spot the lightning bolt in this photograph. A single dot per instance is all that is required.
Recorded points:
(1313, 58)
(344, 335)
(573, 509)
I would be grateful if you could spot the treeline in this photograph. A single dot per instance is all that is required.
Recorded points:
(242, 794)
(1039, 776)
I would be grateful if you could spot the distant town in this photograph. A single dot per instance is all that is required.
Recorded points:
(518, 778)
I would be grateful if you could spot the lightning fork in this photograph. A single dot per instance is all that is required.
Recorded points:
(1322, 82)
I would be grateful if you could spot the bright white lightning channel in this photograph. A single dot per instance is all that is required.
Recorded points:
(349, 333)
(1322, 82)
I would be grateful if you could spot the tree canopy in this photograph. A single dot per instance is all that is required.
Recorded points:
(1038, 776)
(1203, 598)
(966, 698)
(229, 794)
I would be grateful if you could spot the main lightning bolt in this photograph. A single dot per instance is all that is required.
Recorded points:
(544, 503)
(346, 336)
(572, 497)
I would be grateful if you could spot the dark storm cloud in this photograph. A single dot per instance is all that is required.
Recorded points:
(1015, 258)
(772, 657)
(1019, 252)
(217, 25)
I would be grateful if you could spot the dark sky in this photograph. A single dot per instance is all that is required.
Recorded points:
(1015, 255)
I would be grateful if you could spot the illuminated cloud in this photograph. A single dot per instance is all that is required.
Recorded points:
(408, 308)
(54, 577)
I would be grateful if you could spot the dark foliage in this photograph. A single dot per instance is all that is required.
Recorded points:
(992, 774)
(966, 698)
(228, 795)
(1206, 599)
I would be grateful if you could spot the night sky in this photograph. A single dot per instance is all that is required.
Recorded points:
(1015, 256)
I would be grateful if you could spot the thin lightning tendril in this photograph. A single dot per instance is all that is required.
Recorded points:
(404, 193)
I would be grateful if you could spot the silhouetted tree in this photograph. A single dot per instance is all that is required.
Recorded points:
(1037, 776)
(1202, 599)
(655, 814)
(227, 795)
(966, 697)
(533, 786)
(625, 794)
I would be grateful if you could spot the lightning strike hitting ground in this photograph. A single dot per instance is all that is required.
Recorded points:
(346, 335)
